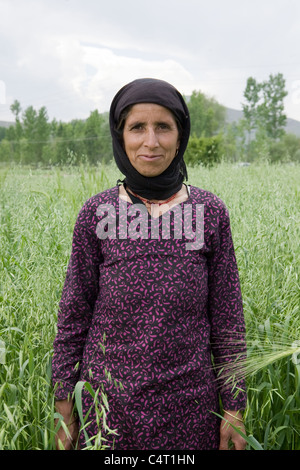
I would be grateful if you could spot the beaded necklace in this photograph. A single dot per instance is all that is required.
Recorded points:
(151, 202)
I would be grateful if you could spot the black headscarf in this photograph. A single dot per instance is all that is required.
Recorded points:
(149, 90)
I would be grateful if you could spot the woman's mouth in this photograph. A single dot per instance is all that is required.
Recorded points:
(149, 158)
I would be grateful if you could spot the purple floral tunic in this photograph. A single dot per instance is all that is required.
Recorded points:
(165, 311)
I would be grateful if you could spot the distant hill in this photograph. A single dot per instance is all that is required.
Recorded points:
(6, 124)
(292, 126)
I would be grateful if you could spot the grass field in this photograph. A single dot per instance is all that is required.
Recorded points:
(38, 209)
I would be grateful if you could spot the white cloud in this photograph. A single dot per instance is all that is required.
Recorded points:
(72, 56)
(72, 61)
(88, 77)
(111, 71)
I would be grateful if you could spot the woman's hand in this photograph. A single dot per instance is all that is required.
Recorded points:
(63, 439)
(229, 435)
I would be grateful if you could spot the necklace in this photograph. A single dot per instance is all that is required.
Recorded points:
(150, 202)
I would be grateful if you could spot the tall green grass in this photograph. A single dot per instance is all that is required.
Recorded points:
(38, 209)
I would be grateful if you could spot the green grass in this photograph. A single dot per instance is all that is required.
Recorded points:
(38, 209)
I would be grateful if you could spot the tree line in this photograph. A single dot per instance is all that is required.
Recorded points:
(33, 139)
(260, 134)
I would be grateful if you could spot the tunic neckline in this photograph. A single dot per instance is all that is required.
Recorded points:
(188, 188)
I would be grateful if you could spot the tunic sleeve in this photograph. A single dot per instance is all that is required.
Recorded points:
(225, 309)
(76, 305)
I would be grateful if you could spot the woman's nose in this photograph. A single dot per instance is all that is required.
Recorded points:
(151, 139)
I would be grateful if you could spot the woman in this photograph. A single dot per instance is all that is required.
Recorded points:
(166, 299)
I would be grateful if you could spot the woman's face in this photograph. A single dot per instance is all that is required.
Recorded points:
(150, 138)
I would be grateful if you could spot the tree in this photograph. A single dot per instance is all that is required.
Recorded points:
(64, 144)
(97, 138)
(42, 132)
(92, 133)
(29, 123)
(16, 108)
(36, 131)
(207, 115)
(29, 135)
(16, 131)
(272, 109)
(264, 106)
(250, 109)
(2, 133)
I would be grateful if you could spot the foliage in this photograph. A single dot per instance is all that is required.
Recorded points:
(2, 133)
(250, 109)
(35, 140)
(286, 149)
(263, 201)
(37, 213)
(207, 115)
(97, 135)
(264, 105)
(204, 150)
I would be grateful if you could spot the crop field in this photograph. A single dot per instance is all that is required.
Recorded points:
(38, 208)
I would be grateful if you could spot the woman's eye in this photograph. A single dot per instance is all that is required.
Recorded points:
(137, 127)
(163, 126)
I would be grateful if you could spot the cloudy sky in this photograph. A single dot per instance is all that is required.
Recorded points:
(72, 56)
